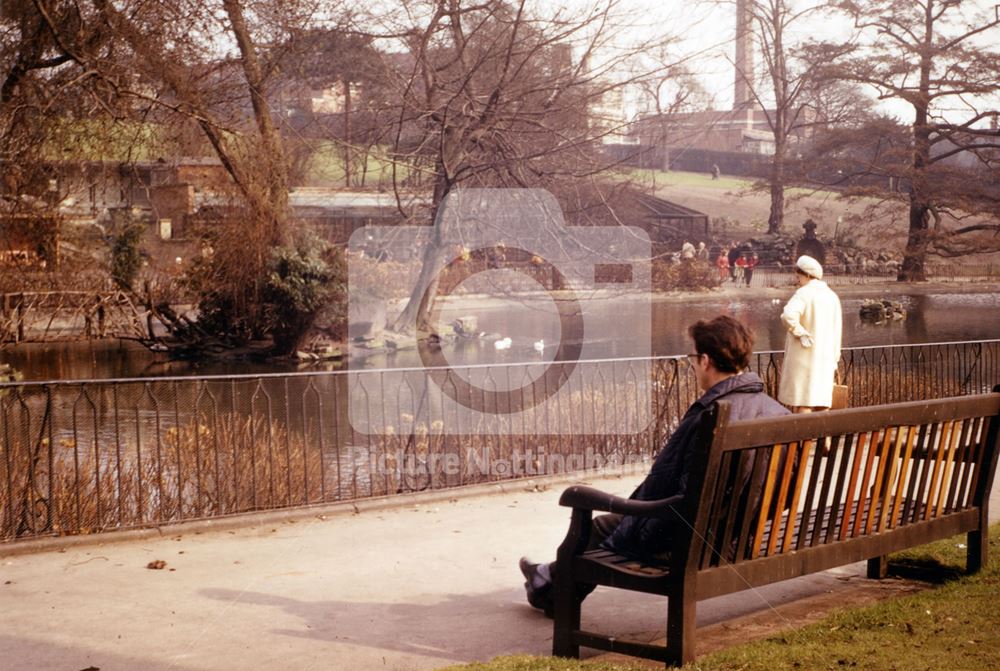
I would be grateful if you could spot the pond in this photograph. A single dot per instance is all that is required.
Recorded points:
(614, 328)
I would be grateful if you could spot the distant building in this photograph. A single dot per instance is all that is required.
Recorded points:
(608, 120)
(296, 97)
(743, 130)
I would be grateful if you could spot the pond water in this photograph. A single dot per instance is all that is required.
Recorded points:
(614, 328)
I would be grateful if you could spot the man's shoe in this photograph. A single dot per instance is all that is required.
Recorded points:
(538, 589)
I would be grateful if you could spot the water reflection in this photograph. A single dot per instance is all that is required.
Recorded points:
(930, 318)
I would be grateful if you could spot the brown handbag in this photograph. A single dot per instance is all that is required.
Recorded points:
(840, 394)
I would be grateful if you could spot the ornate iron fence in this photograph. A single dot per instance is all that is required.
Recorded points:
(92, 456)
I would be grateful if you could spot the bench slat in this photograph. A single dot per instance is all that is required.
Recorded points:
(940, 456)
(787, 465)
(765, 502)
(741, 434)
(842, 453)
(904, 470)
(718, 514)
(927, 472)
(818, 506)
(884, 459)
(743, 508)
(919, 469)
(894, 472)
(857, 456)
(871, 439)
(977, 434)
(755, 494)
(949, 462)
(814, 466)
(955, 467)
(802, 454)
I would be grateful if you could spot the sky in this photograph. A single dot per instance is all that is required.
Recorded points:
(705, 31)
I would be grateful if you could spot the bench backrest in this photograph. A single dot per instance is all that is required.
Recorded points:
(825, 489)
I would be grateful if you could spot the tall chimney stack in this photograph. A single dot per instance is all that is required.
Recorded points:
(742, 98)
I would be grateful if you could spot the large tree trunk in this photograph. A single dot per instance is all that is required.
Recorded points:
(912, 268)
(270, 196)
(779, 120)
(418, 308)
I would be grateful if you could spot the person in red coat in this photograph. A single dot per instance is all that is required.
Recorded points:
(722, 263)
(741, 268)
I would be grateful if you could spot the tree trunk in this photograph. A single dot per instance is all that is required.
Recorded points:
(779, 118)
(776, 218)
(347, 132)
(272, 195)
(417, 308)
(912, 268)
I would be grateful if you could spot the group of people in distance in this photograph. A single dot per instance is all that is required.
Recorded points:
(737, 262)
(720, 358)
(688, 252)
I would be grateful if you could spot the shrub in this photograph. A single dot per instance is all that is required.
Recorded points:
(126, 259)
(684, 276)
(303, 279)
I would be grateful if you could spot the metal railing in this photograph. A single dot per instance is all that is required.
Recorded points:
(93, 456)
(874, 273)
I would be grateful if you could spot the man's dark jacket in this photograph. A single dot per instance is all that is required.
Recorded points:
(668, 476)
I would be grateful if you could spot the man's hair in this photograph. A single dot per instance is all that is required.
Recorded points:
(727, 342)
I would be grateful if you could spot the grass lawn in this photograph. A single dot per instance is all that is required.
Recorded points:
(677, 178)
(954, 627)
(700, 180)
(326, 167)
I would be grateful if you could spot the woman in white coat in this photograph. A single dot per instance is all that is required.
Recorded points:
(812, 347)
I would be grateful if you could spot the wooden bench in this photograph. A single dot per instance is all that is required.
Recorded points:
(826, 489)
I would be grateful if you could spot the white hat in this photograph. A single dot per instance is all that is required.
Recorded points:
(810, 266)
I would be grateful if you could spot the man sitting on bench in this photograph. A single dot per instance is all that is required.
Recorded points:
(722, 352)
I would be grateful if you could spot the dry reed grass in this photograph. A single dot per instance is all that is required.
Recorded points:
(234, 464)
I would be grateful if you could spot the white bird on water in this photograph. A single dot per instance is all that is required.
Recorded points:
(502, 344)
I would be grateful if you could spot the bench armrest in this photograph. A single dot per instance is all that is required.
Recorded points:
(588, 498)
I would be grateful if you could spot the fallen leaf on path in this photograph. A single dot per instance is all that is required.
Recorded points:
(156, 564)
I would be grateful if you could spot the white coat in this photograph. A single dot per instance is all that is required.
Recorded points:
(807, 373)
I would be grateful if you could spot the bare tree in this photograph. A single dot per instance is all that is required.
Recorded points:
(937, 57)
(497, 93)
(43, 91)
(790, 87)
(181, 63)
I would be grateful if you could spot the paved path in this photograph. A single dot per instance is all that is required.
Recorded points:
(417, 587)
